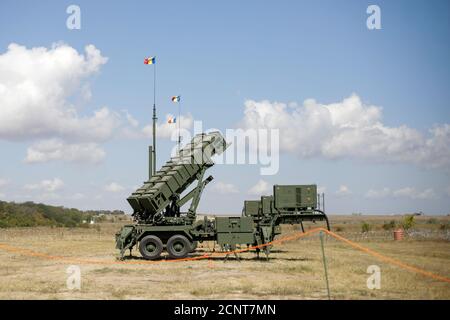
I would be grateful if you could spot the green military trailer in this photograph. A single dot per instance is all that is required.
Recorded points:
(160, 225)
(180, 240)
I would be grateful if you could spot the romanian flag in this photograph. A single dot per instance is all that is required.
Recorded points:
(150, 60)
(176, 98)
(172, 120)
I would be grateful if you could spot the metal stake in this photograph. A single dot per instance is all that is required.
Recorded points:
(323, 201)
(325, 264)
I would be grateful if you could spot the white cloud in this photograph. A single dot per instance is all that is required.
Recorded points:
(35, 85)
(343, 191)
(427, 194)
(38, 87)
(225, 188)
(378, 194)
(48, 196)
(412, 193)
(114, 187)
(261, 188)
(50, 185)
(348, 128)
(57, 149)
(131, 120)
(3, 182)
(406, 192)
(77, 196)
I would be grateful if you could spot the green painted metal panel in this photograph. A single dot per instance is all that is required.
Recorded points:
(235, 238)
(251, 208)
(171, 182)
(295, 196)
(234, 224)
(267, 205)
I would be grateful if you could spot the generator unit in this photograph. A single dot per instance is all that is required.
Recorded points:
(289, 204)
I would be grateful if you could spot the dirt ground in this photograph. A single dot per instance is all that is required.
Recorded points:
(294, 269)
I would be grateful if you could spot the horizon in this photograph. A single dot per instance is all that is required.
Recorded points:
(231, 214)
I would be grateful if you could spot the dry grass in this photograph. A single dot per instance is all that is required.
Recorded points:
(294, 270)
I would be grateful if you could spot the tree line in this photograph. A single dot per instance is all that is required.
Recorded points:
(30, 214)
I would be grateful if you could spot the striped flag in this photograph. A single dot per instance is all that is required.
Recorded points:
(150, 60)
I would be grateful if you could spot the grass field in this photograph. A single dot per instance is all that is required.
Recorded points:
(294, 270)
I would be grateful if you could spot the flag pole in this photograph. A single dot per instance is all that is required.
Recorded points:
(154, 120)
(179, 124)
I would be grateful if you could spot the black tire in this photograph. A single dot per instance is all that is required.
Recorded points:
(194, 246)
(150, 247)
(178, 246)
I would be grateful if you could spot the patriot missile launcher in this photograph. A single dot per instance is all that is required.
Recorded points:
(160, 225)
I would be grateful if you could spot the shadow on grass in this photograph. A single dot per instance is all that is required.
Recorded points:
(231, 257)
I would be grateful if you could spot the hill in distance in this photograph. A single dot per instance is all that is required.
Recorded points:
(30, 214)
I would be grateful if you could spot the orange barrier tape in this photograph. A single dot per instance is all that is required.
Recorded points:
(389, 260)
(295, 236)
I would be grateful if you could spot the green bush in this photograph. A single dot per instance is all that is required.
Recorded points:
(389, 225)
(30, 214)
(365, 227)
(445, 226)
(408, 222)
(100, 219)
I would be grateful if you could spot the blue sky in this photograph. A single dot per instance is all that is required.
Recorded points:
(217, 56)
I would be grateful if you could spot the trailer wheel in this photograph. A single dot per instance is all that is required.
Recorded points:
(178, 246)
(150, 247)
